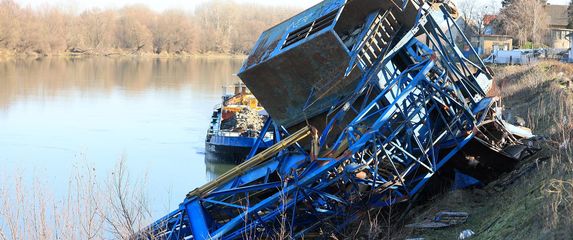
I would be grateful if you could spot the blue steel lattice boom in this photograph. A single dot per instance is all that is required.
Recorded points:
(384, 106)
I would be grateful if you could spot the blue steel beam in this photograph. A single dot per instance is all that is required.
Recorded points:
(261, 138)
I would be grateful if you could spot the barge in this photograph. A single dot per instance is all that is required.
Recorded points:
(235, 127)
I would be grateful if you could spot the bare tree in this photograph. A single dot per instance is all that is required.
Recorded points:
(216, 18)
(97, 27)
(525, 20)
(133, 28)
(474, 12)
(174, 32)
(54, 23)
(127, 211)
(9, 24)
(90, 210)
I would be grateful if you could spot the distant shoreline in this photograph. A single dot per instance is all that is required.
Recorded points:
(8, 55)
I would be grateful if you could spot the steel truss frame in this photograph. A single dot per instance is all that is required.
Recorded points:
(414, 109)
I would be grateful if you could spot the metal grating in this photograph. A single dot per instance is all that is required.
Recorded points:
(379, 37)
(310, 29)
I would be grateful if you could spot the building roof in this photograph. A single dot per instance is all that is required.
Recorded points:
(488, 19)
(557, 15)
(495, 36)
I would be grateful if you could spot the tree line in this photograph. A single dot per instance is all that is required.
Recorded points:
(218, 26)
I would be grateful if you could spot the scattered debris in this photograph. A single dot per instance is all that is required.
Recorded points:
(249, 120)
(531, 163)
(442, 220)
(513, 119)
(427, 225)
(452, 218)
(465, 234)
(512, 57)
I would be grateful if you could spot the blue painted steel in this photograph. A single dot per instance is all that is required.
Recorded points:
(234, 141)
(199, 224)
(463, 181)
(413, 110)
(260, 139)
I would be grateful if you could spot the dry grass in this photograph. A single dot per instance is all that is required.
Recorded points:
(90, 209)
(539, 205)
(560, 204)
(381, 223)
(544, 95)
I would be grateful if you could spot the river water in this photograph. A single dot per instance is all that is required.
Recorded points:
(59, 115)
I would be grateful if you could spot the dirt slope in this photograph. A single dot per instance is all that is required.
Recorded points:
(536, 200)
(533, 202)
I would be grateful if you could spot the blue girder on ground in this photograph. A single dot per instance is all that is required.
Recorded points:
(406, 124)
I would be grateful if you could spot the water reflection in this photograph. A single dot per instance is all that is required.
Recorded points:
(214, 170)
(47, 78)
(155, 112)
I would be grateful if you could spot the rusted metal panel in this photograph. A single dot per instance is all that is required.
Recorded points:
(286, 83)
(311, 73)
(270, 42)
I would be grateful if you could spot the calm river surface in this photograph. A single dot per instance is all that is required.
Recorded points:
(58, 115)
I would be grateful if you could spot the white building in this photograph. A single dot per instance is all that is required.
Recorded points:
(557, 19)
(570, 36)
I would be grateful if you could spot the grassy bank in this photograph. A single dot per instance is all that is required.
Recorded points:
(529, 203)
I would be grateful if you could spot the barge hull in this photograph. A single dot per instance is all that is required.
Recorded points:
(225, 154)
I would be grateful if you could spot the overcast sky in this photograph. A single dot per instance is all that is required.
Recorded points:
(161, 5)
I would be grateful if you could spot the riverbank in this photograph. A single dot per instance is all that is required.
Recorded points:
(6, 55)
(535, 201)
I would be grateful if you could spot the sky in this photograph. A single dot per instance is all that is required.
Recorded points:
(160, 5)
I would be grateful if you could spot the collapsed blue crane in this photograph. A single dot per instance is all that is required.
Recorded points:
(369, 100)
